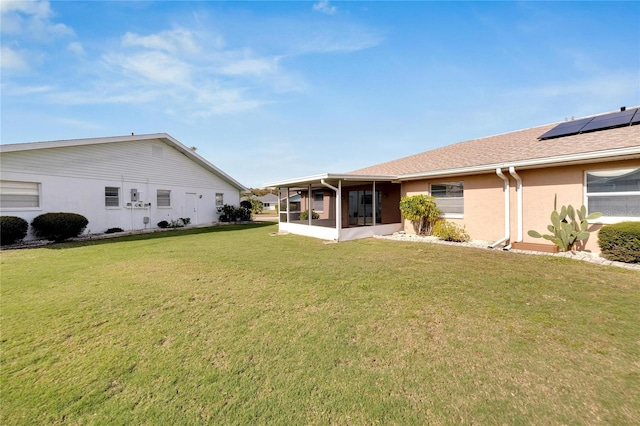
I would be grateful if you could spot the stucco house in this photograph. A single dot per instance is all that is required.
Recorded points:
(128, 182)
(498, 187)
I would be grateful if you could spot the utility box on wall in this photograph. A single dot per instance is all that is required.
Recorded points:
(134, 195)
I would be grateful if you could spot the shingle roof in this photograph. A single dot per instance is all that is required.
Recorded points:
(507, 148)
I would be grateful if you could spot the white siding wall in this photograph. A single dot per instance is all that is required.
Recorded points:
(73, 179)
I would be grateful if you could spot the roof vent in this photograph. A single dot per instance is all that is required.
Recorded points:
(623, 108)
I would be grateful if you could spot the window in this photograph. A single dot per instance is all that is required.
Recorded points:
(19, 194)
(318, 201)
(112, 196)
(219, 199)
(449, 198)
(614, 193)
(163, 198)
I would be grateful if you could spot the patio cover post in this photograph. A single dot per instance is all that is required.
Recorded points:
(309, 205)
(374, 204)
(288, 206)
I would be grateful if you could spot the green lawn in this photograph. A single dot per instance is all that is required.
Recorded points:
(230, 325)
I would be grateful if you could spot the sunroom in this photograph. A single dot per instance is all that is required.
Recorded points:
(366, 205)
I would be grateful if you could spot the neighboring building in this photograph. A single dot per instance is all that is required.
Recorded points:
(498, 187)
(129, 182)
(269, 201)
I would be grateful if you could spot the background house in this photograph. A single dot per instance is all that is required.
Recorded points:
(500, 187)
(129, 182)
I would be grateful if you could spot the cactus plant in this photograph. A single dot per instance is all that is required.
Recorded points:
(567, 229)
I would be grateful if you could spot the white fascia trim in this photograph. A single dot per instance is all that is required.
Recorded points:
(329, 176)
(27, 146)
(164, 137)
(610, 154)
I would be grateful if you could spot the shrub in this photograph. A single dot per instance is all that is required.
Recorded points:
(163, 224)
(185, 220)
(113, 230)
(229, 213)
(246, 204)
(59, 226)
(12, 229)
(422, 211)
(450, 231)
(304, 215)
(620, 241)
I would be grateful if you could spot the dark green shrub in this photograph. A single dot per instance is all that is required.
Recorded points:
(59, 226)
(229, 213)
(620, 241)
(450, 231)
(304, 215)
(113, 230)
(246, 204)
(12, 229)
(163, 224)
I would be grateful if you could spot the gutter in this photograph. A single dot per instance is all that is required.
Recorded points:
(507, 221)
(512, 172)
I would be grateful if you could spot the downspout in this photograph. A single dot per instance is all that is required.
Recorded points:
(309, 208)
(512, 172)
(338, 191)
(507, 220)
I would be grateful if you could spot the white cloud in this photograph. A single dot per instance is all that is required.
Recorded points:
(31, 19)
(75, 47)
(174, 41)
(155, 67)
(29, 90)
(251, 66)
(12, 60)
(324, 7)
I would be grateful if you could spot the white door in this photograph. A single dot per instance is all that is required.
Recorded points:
(191, 207)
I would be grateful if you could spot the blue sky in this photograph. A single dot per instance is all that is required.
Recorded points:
(276, 90)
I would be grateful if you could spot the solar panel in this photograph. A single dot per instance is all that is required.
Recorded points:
(567, 128)
(591, 124)
(606, 121)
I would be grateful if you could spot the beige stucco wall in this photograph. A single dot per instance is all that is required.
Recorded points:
(484, 199)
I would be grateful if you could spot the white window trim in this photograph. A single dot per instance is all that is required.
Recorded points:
(606, 220)
(449, 215)
(30, 209)
(216, 199)
(163, 207)
(119, 206)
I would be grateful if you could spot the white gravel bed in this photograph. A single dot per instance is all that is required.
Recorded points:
(480, 244)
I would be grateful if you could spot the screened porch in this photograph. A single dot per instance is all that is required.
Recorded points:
(339, 207)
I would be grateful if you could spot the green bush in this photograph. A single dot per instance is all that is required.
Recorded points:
(163, 224)
(59, 226)
(113, 230)
(422, 211)
(12, 229)
(450, 231)
(229, 213)
(620, 241)
(304, 215)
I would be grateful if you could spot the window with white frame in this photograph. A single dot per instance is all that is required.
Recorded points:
(16, 195)
(615, 193)
(449, 198)
(219, 199)
(318, 201)
(163, 198)
(111, 196)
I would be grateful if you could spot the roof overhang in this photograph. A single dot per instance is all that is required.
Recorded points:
(163, 137)
(330, 177)
(627, 153)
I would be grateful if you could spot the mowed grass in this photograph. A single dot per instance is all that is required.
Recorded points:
(231, 325)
